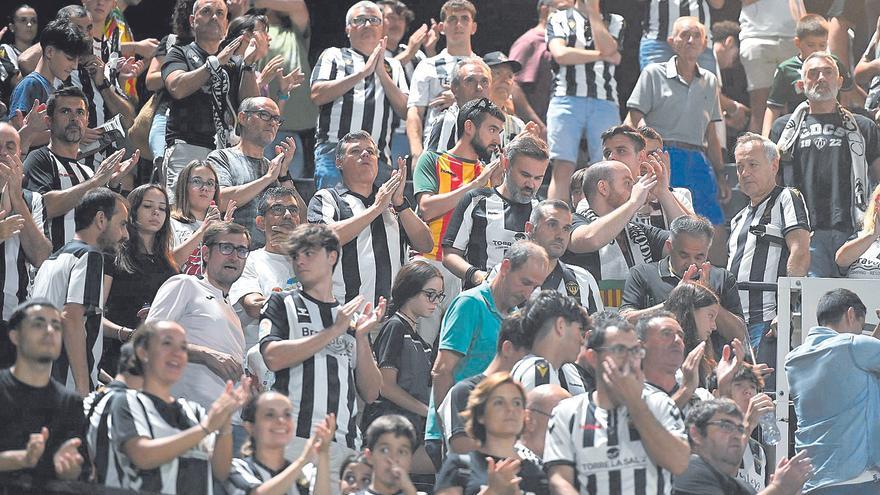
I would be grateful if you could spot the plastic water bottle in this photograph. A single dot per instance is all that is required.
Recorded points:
(769, 431)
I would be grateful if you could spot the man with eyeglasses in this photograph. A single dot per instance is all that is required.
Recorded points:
(540, 401)
(376, 225)
(243, 173)
(558, 325)
(717, 434)
(206, 86)
(201, 305)
(619, 439)
(267, 269)
(357, 88)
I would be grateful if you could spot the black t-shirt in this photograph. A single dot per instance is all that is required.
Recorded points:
(130, 291)
(821, 166)
(191, 119)
(25, 410)
(470, 473)
(702, 479)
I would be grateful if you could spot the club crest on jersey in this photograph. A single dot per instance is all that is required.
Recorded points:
(820, 142)
(572, 288)
(542, 369)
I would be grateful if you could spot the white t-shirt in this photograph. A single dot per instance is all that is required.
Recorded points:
(264, 273)
(210, 321)
(766, 18)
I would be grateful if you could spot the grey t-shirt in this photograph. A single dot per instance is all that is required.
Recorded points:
(236, 169)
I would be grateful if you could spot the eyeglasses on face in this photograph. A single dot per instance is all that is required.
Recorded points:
(728, 426)
(434, 296)
(278, 210)
(620, 351)
(266, 116)
(363, 20)
(227, 248)
(199, 183)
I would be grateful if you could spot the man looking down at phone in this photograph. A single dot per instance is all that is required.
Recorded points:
(648, 285)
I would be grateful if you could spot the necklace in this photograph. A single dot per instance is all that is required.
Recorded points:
(406, 318)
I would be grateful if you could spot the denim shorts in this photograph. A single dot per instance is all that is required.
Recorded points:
(569, 118)
(691, 169)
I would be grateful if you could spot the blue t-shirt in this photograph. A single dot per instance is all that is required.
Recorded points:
(33, 87)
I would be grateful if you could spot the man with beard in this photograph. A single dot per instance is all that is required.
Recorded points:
(442, 179)
(267, 269)
(54, 172)
(832, 156)
(73, 279)
(487, 221)
(215, 340)
(242, 171)
(619, 438)
(206, 87)
(717, 434)
(41, 422)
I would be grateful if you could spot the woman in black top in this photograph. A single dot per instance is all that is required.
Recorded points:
(144, 263)
(405, 359)
(495, 417)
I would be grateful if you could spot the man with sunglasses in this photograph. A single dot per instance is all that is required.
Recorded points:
(717, 434)
(201, 305)
(357, 88)
(243, 173)
(618, 439)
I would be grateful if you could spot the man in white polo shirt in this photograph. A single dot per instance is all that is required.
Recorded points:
(201, 305)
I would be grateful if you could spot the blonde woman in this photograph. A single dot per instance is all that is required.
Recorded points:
(859, 257)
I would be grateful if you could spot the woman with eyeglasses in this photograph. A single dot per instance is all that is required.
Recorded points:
(404, 358)
(143, 264)
(198, 196)
(495, 417)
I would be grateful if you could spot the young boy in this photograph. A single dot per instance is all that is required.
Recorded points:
(390, 441)
(812, 36)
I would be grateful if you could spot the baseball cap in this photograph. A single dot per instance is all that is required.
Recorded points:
(498, 58)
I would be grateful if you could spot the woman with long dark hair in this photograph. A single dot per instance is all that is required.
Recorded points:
(404, 359)
(167, 444)
(142, 265)
(695, 307)
(495, 417)
(198, 194)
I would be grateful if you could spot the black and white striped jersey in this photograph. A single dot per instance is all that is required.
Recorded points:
(428, 81)
(362, 108)
(604, 447)
(533, 371)
(485, 224)
(45, 172)
(637, 244)
(139, 414)
(652, 213)
(594, 79)
(576, 282)
(445, 133)
(16, 276)
(247, 474)
(370, 261)
(757, 251)
(409, 69)
(660, 15)
(75, 275)
(97, 409)
(324, 383)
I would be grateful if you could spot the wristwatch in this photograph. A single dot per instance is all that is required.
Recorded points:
(284, 178)
(247, 67)
(104, 85)
(213, 63)
(403, 206)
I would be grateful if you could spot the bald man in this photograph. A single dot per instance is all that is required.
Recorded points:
(21, 234)
(605, 240)
(242, 171)
(540, 401)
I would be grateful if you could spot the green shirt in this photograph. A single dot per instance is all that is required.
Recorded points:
(293, 46)
(784, 92)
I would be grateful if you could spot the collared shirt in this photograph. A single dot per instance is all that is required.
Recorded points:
(470, 329)
(833, 379)
(210, 321)
(678, 110)
(650, 284)
(264, 273)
